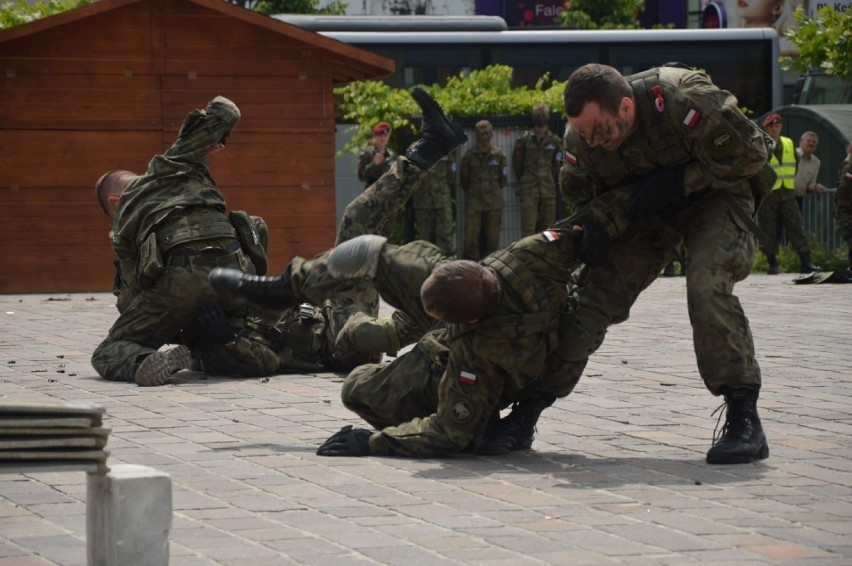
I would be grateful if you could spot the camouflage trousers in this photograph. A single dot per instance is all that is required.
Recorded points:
(720, 250)
(781, 205)
(537, 213)
(371, 212)
(481, 233)
(436, 225)
(162, 314)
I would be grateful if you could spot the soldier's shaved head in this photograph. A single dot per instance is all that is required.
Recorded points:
(596, 83)
(110, 186)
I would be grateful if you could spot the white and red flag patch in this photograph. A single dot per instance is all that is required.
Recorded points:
(692, 117)
(570, 157)
(848, 175)
(551, 235)
(467, 377)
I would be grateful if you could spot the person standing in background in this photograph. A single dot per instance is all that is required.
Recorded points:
(807, 170)
(536, 160)
(484, 173)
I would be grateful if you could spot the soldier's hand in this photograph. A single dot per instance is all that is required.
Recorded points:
(347, 441)
(593, 244)
(212, 325)
(656, 191)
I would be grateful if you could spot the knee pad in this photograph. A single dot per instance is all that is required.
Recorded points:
(356, 258)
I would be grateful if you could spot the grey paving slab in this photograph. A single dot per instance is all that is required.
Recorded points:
(617, 473)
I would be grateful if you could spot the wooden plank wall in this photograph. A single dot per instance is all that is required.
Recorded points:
(111, 90)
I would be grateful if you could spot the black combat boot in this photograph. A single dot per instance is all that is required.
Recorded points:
(516, 431)
(773, 265)
(440, 135)
(807, 266)
(742, 439)
(275, 293)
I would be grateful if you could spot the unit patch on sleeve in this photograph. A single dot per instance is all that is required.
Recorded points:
(467, 377)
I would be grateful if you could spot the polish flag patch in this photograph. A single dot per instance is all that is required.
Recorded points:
(467, 378)
(570, 157)
(692, 117)
(551, 235)
(848, 175)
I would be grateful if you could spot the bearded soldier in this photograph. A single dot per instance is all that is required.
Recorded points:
(694, 163)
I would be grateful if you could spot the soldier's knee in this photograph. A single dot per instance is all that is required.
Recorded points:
(356, 258)
(580, 336)
(365, 334)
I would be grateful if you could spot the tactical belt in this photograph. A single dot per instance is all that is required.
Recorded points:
(186, 256)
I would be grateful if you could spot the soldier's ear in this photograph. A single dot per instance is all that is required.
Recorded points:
(626, 108)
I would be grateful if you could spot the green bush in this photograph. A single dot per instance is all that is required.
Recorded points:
(22, 12)
(788, 259)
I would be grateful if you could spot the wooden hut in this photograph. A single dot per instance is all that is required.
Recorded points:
(106, 86)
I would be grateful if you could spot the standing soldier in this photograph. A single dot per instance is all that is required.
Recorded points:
(780, 204)
(374, 161)
(536, 161)
(694, 163)
(484, 172)
(843, 202)
(433, 205)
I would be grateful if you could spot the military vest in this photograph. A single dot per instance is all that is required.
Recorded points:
(192, 225)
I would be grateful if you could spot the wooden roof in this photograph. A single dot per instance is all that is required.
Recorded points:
(348, 63)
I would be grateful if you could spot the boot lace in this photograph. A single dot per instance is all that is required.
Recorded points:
(732, 425)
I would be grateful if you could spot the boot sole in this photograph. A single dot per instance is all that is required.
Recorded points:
(761, 454)
(159, 367)
(423, 99)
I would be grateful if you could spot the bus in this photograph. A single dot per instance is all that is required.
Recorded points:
(430, 49)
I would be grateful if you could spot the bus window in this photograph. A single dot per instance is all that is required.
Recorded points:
(530, 62)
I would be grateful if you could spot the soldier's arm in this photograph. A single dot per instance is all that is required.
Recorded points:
(365, 161)
(727, 147)
(504, 170)
(464, 173)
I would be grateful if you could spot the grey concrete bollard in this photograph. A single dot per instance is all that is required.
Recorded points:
(128, 517)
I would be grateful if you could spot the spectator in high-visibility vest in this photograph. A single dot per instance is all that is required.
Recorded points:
(780, 204)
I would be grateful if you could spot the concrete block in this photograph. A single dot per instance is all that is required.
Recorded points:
(128, 517)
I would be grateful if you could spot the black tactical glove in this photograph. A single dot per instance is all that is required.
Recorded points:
(347, 441)
(212, 325)
(593, 243)
(656, 191)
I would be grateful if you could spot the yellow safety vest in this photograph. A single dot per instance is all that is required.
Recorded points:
(786, 169)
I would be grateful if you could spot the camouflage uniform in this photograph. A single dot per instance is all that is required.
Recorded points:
(440, 397)
(482, 177)
(370, 173)
(681, 118)
(170, 229)
(536, 162)
(433, 205)
(781, 205)
(843, 204)
(353, 334)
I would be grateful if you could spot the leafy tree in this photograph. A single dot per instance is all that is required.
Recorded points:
(486, 92)
(337, 7)
(20, 12)
(824, 42)
(601, 14)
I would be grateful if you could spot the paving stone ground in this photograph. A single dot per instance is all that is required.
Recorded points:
(617, 473)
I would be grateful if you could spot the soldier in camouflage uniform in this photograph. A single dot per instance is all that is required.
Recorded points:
(169, 230)
(694, 163)
(353, 332)
(536, 160)
(843, 202)
(501, 318)
(433, 205)
(375, 161)
(482, 176)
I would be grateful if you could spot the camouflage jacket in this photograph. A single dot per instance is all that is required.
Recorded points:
(483, 176)
(681, 119)
(536, 163)
(488, 363)
(369, 172)
(175, 182)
